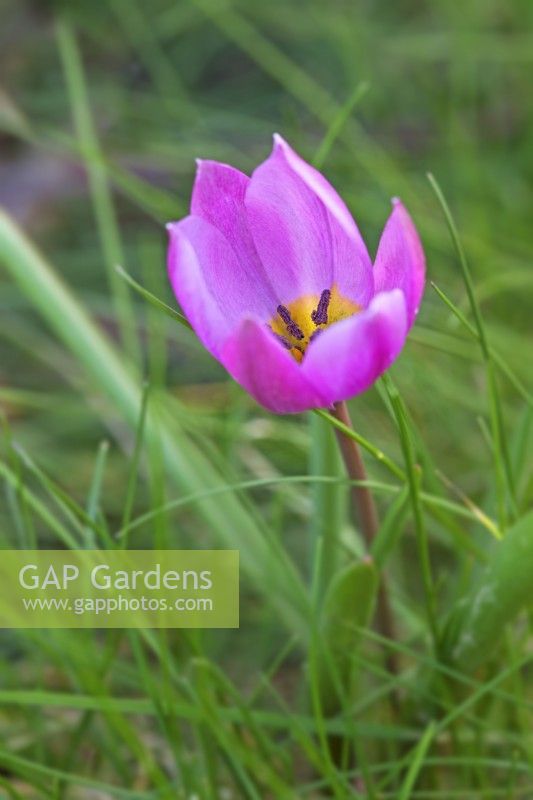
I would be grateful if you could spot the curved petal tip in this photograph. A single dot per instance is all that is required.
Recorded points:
(350, 355)
(400, 261)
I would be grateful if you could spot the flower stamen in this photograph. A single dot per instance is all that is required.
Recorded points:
(298, 323)
(282, 340)
(290, 324)
(320, 314)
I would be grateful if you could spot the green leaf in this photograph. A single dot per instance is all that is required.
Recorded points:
(505, 586)
(348, 608)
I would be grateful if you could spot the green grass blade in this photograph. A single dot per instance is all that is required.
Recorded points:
(504, 477)
(69, 507)
(338, 122)
(100, 191)
(498, 360)
(378, 454)
(413, 481)
(467, 277)
(417, 762)
(38, 507)
(297, 82)
(25, 767)
(95, 490)
(133, 476)
(152, 299)
(228, 519)
(329, 501)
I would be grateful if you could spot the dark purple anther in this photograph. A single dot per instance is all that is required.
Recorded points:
(292, 327)
(282, 340)
(320, 315)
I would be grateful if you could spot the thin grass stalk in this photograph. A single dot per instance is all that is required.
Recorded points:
(328, 502)
(102, 199)
(502, 467)
(413, 481)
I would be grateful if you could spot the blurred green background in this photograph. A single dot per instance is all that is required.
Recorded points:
(447, 90)
(103, 108)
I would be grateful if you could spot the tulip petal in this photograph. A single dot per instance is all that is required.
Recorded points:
(346, 358)
(213, 288)
(400, 262)
(303, 232)
(256, 360)
(218, 197)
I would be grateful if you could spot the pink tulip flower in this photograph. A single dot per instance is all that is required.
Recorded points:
(275, 279)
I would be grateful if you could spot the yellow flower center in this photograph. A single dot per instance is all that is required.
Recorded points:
(297, 323)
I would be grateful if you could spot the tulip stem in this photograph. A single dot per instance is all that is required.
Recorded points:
(365, 511)
(362, 498)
